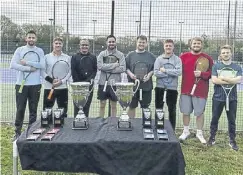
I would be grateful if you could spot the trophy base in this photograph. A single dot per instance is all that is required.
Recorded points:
(80, 123)
(162, 134)
(148, 133)
(124, 126)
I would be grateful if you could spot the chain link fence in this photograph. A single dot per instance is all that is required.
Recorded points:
(217, 22)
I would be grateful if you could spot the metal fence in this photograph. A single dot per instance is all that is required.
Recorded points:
(217, 22)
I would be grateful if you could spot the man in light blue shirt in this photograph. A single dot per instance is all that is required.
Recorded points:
(32, 85)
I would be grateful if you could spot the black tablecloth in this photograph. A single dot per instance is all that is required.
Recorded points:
(103, 150)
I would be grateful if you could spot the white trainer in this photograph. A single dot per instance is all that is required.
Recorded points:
(184, 135)
(199, 135)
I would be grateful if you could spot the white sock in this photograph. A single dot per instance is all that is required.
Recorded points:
(186, 128)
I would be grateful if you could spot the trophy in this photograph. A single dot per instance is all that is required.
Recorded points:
(49, 113)
(80, 93)
(57, 118)
(124, 93)
(148, 132)
(159, 124)
(44, 119)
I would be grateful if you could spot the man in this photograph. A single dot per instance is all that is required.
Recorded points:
(32, 86)
(197, 101)
(164, 73)
(219, 96)
(84, 70)
(111, 70)
(60, 94)
(140, 54)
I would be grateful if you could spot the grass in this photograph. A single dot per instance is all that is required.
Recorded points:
(200, 159)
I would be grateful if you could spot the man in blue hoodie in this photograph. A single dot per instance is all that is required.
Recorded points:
(164, 73)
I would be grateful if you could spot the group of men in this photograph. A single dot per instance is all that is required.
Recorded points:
(86, 72)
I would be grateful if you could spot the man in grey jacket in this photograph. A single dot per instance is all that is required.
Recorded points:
(167, 79)
(110, 72)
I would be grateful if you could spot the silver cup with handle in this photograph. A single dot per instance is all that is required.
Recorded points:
(124, 92)
(80, 93)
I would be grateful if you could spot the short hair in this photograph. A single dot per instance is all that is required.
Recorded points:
(142, 37)
(168, 41)
(196, 39)
(226, 47)
(31, 32)
(58, 39)
(110, 36)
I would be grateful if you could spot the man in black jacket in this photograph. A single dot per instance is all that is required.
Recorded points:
(84, 69)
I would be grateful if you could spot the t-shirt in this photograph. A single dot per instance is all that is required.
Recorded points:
(219, 93)
(188, 79)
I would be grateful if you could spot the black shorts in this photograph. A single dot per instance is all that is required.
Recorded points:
(109, 94)
(144, 103)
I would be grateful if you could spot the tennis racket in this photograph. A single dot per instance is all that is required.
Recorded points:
(28, 56)
(229, 73)
(86, 66)
(109, 60)
(140, 69)
(167, 80)
(202, 64)
(59, 71)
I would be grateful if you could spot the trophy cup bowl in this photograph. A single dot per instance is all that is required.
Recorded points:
(124, 93)
(80, 93)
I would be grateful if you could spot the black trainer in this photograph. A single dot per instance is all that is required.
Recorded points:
(211, 141)
(233, 145)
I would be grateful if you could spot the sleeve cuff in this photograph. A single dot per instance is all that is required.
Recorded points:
(49, 79)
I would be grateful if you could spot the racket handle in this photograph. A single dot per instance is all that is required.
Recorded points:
(193, 89)
(104, 89)
(140, 94)
(227, 104)
(21, 86)
(50, 94)
(165, 94)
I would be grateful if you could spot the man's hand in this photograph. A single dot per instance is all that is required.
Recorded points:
(56, 83)
(197, 73)
(22, 62)
(162, 69)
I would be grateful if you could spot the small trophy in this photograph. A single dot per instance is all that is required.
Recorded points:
(80, 93)
(147, 124)
(124, 93)
(159, 124)
(44, 119)
(57, 118)
(49, 113)
(62, 114)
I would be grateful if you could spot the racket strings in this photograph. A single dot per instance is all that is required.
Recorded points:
(140, 70)
(60, 70)
(202, 64)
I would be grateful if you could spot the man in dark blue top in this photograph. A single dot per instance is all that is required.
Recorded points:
(219, 96)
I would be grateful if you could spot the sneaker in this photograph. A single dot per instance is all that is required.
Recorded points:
(184, 135)
(199, 135)
(211, 141)
(16, 136)
(233, 145)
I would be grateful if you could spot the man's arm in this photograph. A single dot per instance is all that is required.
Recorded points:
(73, 69)
(122, 66)
(15, 62)
(157, 71)
(38, 65)
(105, 67)
(178, 69)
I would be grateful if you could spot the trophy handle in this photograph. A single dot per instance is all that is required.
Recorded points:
(112, 84)
(137, 82)
(91, 83)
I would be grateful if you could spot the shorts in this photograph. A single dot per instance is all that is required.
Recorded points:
(144, 103)
(189, 103)
(109, 94)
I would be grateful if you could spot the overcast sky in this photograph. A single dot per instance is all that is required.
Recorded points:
(198, 17)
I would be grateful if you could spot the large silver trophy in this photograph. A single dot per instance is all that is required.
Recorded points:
(124, 93)
(80, 93)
